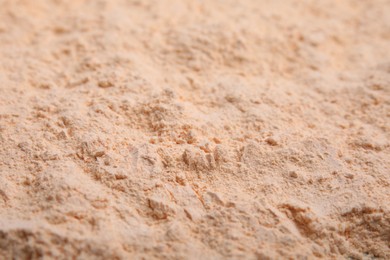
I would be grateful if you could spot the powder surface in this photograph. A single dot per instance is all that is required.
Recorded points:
(194, 129)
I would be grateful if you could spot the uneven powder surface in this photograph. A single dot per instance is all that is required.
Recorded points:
(194, 129)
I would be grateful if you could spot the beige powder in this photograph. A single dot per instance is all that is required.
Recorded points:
(194, 129)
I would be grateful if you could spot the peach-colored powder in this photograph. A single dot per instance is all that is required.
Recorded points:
(194, 129)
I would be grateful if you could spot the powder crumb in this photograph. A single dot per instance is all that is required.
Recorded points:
(271, 141)
(293, 174)
(105, 84)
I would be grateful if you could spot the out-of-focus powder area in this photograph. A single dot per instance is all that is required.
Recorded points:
(194, 129)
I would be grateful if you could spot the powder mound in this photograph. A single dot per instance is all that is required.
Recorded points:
(22, 243)
(194, 129)
(371, 223)
(205, 46)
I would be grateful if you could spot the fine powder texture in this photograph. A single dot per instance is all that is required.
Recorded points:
(194, 129)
